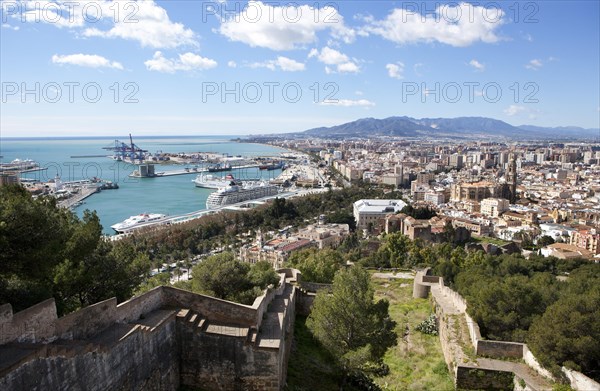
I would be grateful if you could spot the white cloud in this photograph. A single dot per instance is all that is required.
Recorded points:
(153, 28)
(477, 65)
(265, 64)
(329, 56)
(86, 60)
(347, 103)
(534, 64)
(457, 25)
(8, 26)
(513, 110)
(348, 67)
(185, 62)
(395, 71)
(232, 64)
(416, 68)
(521, 111)
(284, 28)
(289, 65)
(283, 63)
(51, 12)
(138, 20)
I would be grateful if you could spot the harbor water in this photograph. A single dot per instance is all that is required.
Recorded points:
(171, 195)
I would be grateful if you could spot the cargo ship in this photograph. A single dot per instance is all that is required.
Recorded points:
(232, 194)
(271, 166)
(219, 167)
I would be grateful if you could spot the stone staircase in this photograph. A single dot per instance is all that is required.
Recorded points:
(269, 335)
(196, 322)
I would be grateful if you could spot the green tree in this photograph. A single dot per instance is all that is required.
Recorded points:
(317, 265)
(504, 307)
(349, 324)
(33, 233)
(395, 250)
(342, 217)
(568, 334)
(225, 277)
(545, 241)
(48, 252)
(261, 274)
(419, 213)
(221, 276)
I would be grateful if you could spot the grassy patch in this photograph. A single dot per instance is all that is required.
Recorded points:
(486, 239)
(461, 331)
(416, 362)
(311, 366)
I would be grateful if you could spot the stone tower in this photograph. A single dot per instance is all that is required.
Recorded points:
(512, 178)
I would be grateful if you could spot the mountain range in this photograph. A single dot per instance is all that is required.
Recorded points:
(449, 127)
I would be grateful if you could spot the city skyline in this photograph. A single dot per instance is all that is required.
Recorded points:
(96, 68)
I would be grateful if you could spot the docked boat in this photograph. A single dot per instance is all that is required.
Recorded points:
(271, 166)
(19, 165)
(214, 182)
(232, 194)
(219, 167)
(138, 220)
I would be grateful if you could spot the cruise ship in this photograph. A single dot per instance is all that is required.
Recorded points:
(138, 220)
(232, 194)
(214, 182)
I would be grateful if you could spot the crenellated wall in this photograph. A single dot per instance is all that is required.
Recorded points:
(160, 340)
(467, 376)
(33, 324)
(120, 357)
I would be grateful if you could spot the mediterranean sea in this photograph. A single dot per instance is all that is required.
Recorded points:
(171, 195)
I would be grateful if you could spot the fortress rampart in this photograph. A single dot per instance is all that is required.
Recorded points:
(488, 369)
(160, 340)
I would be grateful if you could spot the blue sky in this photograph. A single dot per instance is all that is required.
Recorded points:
(201, 67)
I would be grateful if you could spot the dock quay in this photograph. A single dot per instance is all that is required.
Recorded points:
(86, 156)
(22, 171)
(77, 198)
(184, 218)
(136, 174)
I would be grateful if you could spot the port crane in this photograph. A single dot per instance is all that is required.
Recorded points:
(123, 151)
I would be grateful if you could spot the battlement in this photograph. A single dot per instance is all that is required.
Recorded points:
(154, 344)
(490, 368)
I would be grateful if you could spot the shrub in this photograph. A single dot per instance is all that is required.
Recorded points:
(428, 326)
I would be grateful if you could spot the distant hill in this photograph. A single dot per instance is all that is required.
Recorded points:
(563, 130)
(460, 127)
(392, 126)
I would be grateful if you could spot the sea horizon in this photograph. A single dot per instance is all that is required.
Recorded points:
(22, 138)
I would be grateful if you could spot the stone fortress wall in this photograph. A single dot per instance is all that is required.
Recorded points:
(487, 370)
(160, 340)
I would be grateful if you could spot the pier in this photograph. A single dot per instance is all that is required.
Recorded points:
(84, 192)
(86, 156)
(184, 218)
(189, 171)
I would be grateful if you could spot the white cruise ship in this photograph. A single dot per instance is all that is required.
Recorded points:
(232, 194)
(136, 221)
(214, 182)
